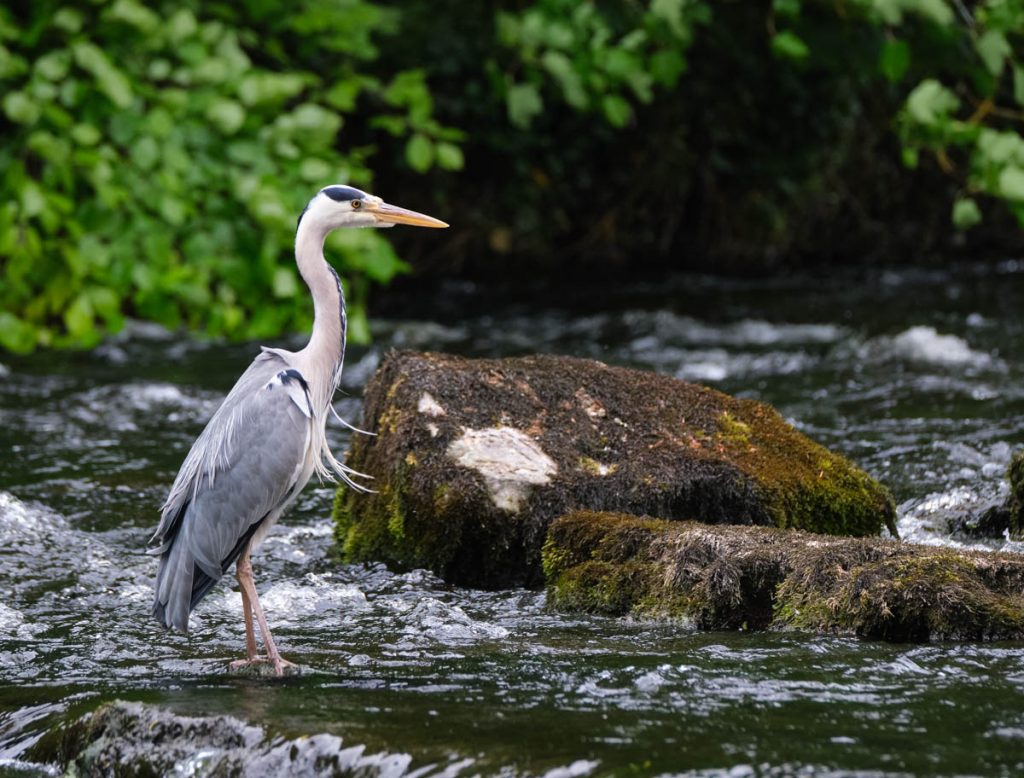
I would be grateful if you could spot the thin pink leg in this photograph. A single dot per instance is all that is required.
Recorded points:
(251, 606)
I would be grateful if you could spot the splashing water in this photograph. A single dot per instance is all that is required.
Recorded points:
(917, 377)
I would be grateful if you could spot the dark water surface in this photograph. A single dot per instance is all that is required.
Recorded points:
(918, 376)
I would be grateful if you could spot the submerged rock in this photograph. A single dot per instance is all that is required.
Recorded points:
(131, 739)
(472, 459)
(761, 578)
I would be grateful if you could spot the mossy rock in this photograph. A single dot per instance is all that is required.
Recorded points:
(132, 739)
(472, 459)
(728, 577)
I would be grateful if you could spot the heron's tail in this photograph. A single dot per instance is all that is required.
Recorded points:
(180, 585)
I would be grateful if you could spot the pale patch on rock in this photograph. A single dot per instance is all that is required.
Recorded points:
(429, 405)
(508, 459)
(590, 406)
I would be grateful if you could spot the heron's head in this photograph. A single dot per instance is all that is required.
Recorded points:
(345, 206)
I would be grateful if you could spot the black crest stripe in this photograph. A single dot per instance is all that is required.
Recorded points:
(342, 193)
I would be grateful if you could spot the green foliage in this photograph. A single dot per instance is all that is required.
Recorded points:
(154, 157)
(959, 66)
(593, 59)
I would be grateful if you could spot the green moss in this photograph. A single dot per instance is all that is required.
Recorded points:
(934, 596)
(593, 467)
(602, 587)
(396, 516)
(803, 484)
(729, 577)
(732, 429)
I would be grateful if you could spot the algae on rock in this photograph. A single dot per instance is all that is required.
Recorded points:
(131, 739)
(472, 460)
(728, 577)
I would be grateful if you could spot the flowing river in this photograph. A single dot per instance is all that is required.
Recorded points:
(918, 376)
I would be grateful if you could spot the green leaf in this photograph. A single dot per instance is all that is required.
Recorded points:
(931, 101)
(285, 283)
(54, 65)
(145, 152)
(786, 8)
(16, 336)
(936, 10)
(449, 156)
(894, 59)
(314, 170)
(993, 48)
(616, 109)
(523, 103)
(891, 11)
(1018, 84)
(419, 153)
(135, 14)
(1011, 183)
(560, 66)
(78, 317)
(227, 116)
(262, 88)
(68, 19)
(671, 12)
(20, 108)
(787, 45)
(966, 213)
(110, 80)
(666, 66)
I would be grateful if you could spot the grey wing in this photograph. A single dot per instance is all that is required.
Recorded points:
(243, 468)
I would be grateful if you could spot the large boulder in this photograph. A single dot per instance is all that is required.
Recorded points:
(759, 578)
(473, 459)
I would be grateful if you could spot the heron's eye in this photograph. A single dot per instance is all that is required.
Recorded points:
(357, 204)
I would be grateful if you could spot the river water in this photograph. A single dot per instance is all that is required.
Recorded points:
(918, 376)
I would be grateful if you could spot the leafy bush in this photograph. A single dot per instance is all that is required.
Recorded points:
(154, 160)
(153, 156)
(961, 67)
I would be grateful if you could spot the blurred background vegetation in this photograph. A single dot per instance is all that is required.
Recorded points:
(154, 155)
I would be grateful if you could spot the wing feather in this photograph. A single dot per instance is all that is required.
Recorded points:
(241, 470)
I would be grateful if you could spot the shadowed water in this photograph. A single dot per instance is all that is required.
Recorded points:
(918, 377)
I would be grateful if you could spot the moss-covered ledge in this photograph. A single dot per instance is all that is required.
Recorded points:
(472, 460)
(727, 577)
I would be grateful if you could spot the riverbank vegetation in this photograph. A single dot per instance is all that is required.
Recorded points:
(153, 156)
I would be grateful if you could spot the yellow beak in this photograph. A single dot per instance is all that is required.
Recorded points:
(392, 214)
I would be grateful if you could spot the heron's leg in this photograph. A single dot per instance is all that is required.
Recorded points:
(250, 634)
(245, 581)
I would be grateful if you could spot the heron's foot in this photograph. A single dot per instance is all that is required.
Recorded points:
(262, 665)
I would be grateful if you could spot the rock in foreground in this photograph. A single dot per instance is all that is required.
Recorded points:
(760, 578)
(130, 739)
(473, 459)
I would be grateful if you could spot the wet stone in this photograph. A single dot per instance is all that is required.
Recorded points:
(473, 459)
(1003, 520)
(127, 738)
(763, 578)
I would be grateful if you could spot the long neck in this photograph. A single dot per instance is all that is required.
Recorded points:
(325, 351)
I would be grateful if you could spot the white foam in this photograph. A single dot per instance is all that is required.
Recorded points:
(926, 345)
(668, 326)
(19, 521)
(288, 602)
(437, 620)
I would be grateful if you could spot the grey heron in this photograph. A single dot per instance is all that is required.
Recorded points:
(266, 439)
